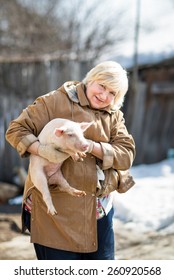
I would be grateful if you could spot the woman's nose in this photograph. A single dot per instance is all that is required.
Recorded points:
(104, 94)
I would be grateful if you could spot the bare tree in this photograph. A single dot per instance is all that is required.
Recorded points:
(91, 28)
(79, 27)
(24, 31)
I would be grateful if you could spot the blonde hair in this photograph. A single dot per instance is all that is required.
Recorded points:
(112, 76)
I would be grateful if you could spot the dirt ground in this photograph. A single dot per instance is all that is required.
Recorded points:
(130, 245)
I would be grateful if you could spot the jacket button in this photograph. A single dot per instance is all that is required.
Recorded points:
(93, 194)
(94, 243)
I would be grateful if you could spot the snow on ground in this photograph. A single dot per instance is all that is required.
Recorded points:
(149, 205)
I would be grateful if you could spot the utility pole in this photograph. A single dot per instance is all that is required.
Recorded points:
(134, 79)
(136, 41)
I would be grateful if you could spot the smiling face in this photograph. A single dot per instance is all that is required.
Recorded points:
(98, 95)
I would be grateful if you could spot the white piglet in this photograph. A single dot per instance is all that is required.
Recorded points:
(67, 136)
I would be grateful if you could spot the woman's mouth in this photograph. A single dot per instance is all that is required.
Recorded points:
(98, 99)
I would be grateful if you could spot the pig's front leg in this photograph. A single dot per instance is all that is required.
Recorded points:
(77, 156)
(63, 185)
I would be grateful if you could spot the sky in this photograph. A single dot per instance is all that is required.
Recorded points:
(160, 15)
(156, 28)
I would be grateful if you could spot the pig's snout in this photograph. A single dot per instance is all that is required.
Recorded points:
(84, 147)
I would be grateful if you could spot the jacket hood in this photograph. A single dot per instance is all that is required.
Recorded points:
(71, 90)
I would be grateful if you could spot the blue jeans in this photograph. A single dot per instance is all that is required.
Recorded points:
(105, 244)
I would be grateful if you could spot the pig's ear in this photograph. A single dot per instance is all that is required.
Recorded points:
(60, 131)
(85, 125)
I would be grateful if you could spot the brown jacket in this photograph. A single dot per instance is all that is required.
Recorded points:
(74, 228)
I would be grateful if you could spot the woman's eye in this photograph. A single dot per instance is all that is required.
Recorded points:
(112, 92)
(102, 86)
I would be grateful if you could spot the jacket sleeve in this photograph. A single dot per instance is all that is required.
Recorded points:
(119, 153)
(23, 131)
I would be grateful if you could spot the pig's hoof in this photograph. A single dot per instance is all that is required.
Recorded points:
(52, 211)
(78, 193)
(75, 157)
(80, 159)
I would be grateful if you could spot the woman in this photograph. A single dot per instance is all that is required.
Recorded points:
(82, 228)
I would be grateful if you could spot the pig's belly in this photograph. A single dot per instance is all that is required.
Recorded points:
(52, 168)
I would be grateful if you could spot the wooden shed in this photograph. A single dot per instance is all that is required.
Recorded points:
(150, 114)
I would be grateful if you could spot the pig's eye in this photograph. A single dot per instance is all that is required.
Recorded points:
(70, 135)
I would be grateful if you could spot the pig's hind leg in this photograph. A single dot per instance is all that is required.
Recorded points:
(58, 179)
(40, 182)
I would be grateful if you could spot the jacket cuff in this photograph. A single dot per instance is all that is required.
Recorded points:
(25, 143)
(108, 155)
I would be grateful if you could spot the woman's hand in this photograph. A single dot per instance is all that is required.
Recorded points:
(91, 146)
(95, 149)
